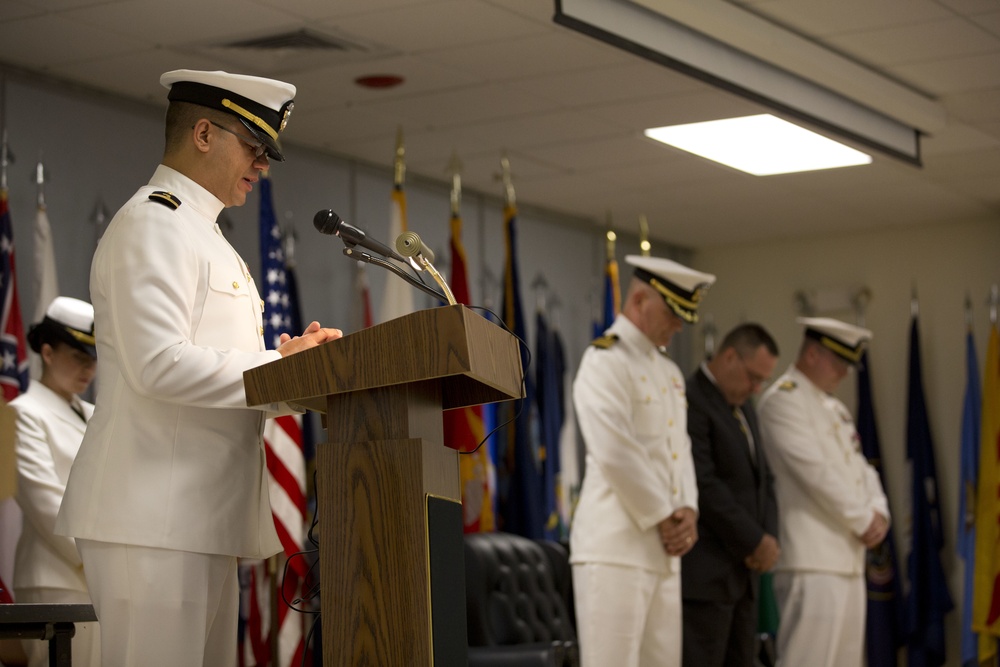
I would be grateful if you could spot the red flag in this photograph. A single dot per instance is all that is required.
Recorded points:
(463, 427)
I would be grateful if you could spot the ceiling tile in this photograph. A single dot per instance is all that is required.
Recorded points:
(65, 41)
(556, 51)
(604, 85)
(821, 18)
(460, 106)
(957, 75)
(432, 26)
(917, 43)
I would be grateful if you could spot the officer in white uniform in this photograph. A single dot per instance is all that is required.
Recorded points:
(169, 487)
(637, 513)
(51, 421)
(831, 505)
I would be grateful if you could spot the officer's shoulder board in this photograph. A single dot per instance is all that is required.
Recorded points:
(168, 199)
(787, 385)
(604, 342)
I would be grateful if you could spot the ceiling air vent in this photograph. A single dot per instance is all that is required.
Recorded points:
(299, 39)
(292, 52)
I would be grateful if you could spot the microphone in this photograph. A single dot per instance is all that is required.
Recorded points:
(409, 245)
(328, 222)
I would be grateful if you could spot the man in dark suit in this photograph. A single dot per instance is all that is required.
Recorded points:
(738, 512)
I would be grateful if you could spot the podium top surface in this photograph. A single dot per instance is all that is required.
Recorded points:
(475, 360)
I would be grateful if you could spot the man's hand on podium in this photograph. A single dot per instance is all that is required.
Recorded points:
(313, 335)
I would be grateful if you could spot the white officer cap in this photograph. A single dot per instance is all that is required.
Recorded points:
(262, 105)
(67, 320)
(681, 287)
(845, 340)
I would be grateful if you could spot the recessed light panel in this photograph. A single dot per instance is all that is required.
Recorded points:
(761, 145)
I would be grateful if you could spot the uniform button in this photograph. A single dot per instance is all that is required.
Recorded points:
(262, 331)
(673, 456)
(674, 490)
(236, 285)
(262, 304)
(670, 422)
(649, 399)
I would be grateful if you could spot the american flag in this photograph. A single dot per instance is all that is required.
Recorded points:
(286, 466)
(13, 350)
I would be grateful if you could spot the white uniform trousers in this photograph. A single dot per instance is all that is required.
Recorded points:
(86, 644)
(627, 616)
(162, 608)
(822, 619)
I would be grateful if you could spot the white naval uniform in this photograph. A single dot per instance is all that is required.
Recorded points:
(172, 459)
(630, 403)
(827, 496)
(47, 567)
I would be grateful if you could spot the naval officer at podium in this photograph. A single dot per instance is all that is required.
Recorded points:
(169, 487)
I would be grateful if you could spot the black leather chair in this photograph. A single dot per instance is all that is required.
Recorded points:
(519, 601)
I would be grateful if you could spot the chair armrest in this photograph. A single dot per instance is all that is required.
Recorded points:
(541, 654)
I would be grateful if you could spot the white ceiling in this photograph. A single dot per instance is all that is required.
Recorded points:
(488, 77)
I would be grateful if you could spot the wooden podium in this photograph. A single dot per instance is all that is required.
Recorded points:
(389, 499)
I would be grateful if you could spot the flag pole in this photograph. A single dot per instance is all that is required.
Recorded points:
(40, 181)
(399, 162)
(644, 245)
(4, 158)
(454, 170)
(272, 629)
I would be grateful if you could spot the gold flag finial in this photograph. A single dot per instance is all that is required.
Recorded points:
(455, 171)
(399, 164)
(644, 245)
(610, 238)
(508, 181)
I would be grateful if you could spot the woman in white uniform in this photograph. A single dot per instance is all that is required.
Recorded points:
(51, 420)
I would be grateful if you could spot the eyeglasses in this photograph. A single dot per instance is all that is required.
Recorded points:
(257, 147)
(756, 379)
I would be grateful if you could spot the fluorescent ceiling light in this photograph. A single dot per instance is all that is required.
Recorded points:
(760, 145)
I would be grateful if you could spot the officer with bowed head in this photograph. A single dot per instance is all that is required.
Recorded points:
(169, 487)
(831, 505)
(638, 508)
(51, 422)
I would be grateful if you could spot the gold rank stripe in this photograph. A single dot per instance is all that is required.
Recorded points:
(256, 120)
(844, 351)
(84, 338)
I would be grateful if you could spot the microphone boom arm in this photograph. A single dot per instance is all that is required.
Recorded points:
(386, 264)
(427, 266)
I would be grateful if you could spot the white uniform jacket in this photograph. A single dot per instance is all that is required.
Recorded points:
(826, 490)
(173, 458)
(631, 406)
(49, 433)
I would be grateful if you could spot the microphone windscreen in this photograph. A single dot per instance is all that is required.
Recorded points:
(409, 244)
(326, 222)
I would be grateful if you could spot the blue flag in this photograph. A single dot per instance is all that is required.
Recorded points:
(928, 600)
(884, 625)
(519, 485)
(968, 481)
(550, 415)
(611, 301)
